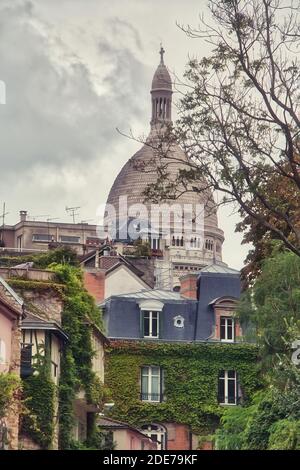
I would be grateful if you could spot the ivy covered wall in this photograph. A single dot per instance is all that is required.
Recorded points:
(190, 380)
(78, 317)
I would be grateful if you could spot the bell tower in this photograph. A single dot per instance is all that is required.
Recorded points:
(161, 93)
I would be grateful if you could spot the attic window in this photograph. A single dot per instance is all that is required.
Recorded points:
(179, 321)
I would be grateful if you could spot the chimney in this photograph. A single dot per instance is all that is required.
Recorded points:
(23, 216)
(188, 286)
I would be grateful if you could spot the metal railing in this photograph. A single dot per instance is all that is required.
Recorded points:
(229, 400)
(155, 397)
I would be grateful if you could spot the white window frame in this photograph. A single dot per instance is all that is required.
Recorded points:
(159, 432)
(150, 312)
(226, 380)
(226, 339)
(149, 376)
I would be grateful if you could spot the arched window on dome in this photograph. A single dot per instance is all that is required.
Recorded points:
(209, 245)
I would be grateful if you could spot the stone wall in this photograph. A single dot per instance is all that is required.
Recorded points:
(28, 274)
(47, 303)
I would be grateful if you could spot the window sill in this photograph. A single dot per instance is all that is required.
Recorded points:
(228, 404)
(151, 401)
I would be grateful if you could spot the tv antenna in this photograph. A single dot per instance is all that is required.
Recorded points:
(72, 212)
(48, 224)
(34, 217)
(4, 214)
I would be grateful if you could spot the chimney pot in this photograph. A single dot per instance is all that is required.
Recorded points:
(188, 286)
(23, 216)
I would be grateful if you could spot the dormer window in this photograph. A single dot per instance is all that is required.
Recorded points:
(227, 329)
(151, 318)
(151, 324)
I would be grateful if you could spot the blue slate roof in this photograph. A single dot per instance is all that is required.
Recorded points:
(122, 313)
(211, 285)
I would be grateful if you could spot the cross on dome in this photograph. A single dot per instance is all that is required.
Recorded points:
(162, 51)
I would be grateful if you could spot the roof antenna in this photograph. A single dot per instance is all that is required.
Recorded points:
(72, 212)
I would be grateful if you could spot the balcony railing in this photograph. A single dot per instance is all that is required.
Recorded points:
(229, 400)
(153, 397)
(26, 359)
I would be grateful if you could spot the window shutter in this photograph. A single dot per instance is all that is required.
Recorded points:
(141, 383)
(237, 385)
(161, 377)
(142, 322)
(160, 324)
(221, 388)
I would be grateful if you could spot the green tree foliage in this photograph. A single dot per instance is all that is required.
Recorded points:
(238, 118)
(141, 248)
(272, 306)
(62, 255)
(10, 387)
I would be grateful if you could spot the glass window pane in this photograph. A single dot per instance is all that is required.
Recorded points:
(155, 387)
(154, 325)
(146, 324)
(144, 385)
(231, 374)
(222, 332)
(155, 370)
(221, 391)
(229, 331)
(231, 391)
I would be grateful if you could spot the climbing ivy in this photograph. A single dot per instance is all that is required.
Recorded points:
(62, 255)
(190, 380)
(79, 315)
(10, 387)
(40, 394)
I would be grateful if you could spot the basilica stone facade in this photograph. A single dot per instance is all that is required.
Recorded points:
(181, 251)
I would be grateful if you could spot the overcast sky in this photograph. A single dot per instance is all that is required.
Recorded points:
(75, 70)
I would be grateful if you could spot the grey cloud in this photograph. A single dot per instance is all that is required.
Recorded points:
(54, 115)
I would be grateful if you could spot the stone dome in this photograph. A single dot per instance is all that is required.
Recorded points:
(162, 79)
(140, 171)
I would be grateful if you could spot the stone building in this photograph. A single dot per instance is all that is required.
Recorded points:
(183, 250)
(38, 301)
(11, 316)
(30, 235)
(180, 357)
